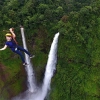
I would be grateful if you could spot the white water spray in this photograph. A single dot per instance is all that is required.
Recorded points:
(29, 69)
(51, 67)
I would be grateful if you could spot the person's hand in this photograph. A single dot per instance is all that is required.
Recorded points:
(11, 29)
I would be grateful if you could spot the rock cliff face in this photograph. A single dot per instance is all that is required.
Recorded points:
(12, 81)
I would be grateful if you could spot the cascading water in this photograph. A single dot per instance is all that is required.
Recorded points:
(41, 93)
(29, 69)
(51, 66)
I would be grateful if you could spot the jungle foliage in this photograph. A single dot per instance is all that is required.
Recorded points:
(77, 76)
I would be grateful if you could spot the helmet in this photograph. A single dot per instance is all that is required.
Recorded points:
(9, 34)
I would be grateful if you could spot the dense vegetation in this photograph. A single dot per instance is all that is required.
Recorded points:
(78, 21)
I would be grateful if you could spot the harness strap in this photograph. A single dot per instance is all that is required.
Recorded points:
(15, 40)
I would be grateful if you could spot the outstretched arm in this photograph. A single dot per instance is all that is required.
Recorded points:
(12, 31)
(3, 48)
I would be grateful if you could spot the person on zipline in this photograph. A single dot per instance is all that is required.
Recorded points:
(13, 45)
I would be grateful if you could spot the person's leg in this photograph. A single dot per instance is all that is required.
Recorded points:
(20, 54)
(22, 49)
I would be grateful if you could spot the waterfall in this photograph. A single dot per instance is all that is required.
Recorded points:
(41, 92)
(50, 67)
(29, 69)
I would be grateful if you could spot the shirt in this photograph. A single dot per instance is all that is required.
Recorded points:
(11, 44)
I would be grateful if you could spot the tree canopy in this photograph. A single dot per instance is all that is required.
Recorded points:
(78, 21)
